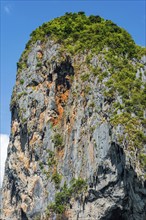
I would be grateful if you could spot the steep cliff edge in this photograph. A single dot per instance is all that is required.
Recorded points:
(77, 148)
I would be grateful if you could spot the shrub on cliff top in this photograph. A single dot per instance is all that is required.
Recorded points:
(78, 32)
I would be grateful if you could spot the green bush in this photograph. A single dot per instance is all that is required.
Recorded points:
(39, 64)
(62, 198)
(51, 159)
(22, 81)
(142, 158)
(58, 140)
(78, 186)
(77, 32)
(85, 77)
(87, 89)
(21, 94)
(56, 178)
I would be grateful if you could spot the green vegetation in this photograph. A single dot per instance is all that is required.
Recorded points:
(58, 141)
(129, 112)
(85, 77)
(142, 158)
(56, 178)
(13, 100)
(23, 120)
(96, 71)
(39, 64)
(51, 159)
(87, 89)
(71, 78)
(51, 163)
(21, 112)
(38, 217)
(92, 105)
(62, 198)
(22, 81)
(132, 127)
(52, 172)
(21, 65)
(21, 94)
(41, 165)
(78, 32)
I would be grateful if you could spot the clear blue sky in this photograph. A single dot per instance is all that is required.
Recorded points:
(20, 18)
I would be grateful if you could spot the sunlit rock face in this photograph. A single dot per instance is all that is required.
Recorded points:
(71, 153)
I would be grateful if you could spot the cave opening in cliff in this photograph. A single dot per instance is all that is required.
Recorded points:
(116, 214)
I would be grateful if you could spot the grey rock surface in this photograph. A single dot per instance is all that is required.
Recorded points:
(50, 103)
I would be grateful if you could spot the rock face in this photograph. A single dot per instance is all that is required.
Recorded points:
(63, 128)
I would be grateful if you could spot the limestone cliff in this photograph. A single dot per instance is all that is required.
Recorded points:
(77, 147)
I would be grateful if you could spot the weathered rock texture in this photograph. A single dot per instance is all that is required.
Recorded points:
(53, 99)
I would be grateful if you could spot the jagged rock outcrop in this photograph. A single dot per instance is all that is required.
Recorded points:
(73, 117)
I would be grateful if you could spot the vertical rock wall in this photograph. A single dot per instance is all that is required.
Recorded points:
(61, 126)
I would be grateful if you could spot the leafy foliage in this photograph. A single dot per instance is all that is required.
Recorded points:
(58, 140)
(56, 177)
(85, 77)
(22, 81)
(78, 32)
(63, 197)
(124, 82)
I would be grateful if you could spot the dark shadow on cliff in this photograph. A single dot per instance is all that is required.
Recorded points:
(126, 178)
(63, 70)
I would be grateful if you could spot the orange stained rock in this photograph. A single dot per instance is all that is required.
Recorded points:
(49, 84)
(64, 96)
(8, 212)
(34, 167)
(82, 94)
(24, 207)
(41, 120)
(24, 160)
(72, 118)
(60, 111)
(67, 77)
(54, 121)
(91, 152)
(60, 153)
(59, 87)
(14, 127)
(41, 86)
(23, 197)
(61, 98)
(54, 169)
(39, 55)
(69, 129)
(33, 140)
(42, 116)
(59, 107)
